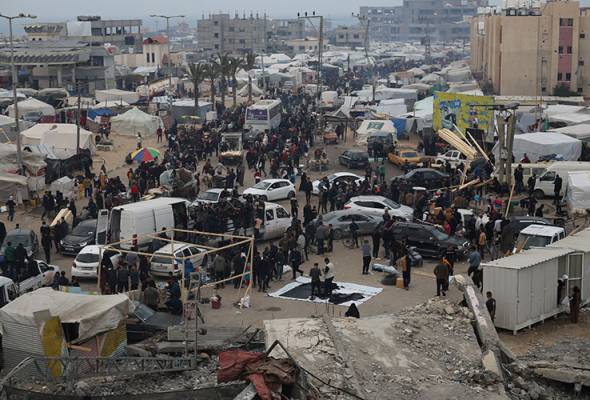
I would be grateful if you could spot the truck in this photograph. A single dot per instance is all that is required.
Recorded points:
(453, 157)
(37, 274)
(545, 183)
(231, 148)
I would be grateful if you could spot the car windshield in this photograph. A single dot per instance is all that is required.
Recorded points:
(163, 259)
(391, 203)
(83, 230)
(262, 185)
(439, 235)
(526, 241)
(17, 239)
(87, 258)
(143, 312)
(359, 155)
(209, 196)
(409, 154)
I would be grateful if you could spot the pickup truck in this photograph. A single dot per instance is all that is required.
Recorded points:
(37, 274)
(454, 157)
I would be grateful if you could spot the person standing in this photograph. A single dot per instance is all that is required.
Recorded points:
(134, 278)
(481, 241)
(405, 266)
(441, 272)
(531, 184)
(376, 236)
(295, 259)
(366, 252)
(219, 269)
(354, 229)
(46, 241)
(10, 204)
(320, 236)
(151, 296)
(9, 260)
(557, 189)
(491, 305)
(122, 278)
(329, 274)
(575, 302)
(294, 207)
(2, 232)
(330, 237)
(316, 283)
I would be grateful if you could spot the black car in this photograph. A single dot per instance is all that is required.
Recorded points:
(82, 235)
(354, 159)
(428, 240)
(428, 178)
(145, 322)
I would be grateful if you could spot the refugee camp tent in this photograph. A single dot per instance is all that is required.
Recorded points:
(33, 163)
(117, 95)
(538, 144)
(571, 118)
(60, 138)
(184, 107)
(525, 286)
(98, 323)
(369, 126)
(31, 105)
(134, 121)
(578, 191)
(256, 91)
(14, 185)
(580, 131)
(392, 107)
(111, 104)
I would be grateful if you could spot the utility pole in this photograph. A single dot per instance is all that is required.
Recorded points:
(78, 120)
(367, 21)
(19, 154)
(320, 48)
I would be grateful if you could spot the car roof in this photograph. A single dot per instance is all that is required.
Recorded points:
(525, 218)
(167, 248)
(369, 197)
(407, 149)
(344, 173)
(91, 249)
(217, 191)
(275, 180)
(542, 230)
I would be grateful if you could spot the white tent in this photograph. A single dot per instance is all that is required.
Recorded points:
(580, 131)
(571, 118)
(134, 121)
(392, 107)
(32, 105)
(578, 190)
(117, 95)
(256, 91)
(539, 144)
(111, 104)
(60, 138)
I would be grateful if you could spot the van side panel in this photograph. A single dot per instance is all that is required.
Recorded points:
(137, 222)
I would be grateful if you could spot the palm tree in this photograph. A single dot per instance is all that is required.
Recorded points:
(197, 73)
(249, 64)
(235, 63)
(223, 65)
(211, 73)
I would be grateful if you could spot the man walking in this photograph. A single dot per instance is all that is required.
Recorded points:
(376, 235)
(405, 266)
(557, 188)
(441, 272)
(295, 259)
(329, 274)
(46, 241)
(366, 251)
(10, 204)
(491, 305)
(316, 283)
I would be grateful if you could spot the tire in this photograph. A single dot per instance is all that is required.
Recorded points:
(291, 195)
(264, 198)
(538, 194)
(338, 234)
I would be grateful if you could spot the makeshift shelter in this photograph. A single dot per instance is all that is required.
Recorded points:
(43, 322)
(134, 121)
(369, 126)
(256, 91)
(539, 144)
(60, 138)
(13, 185)
(580, 131)
(32, 105)
(184, 107)
(111, 104)
(393, 107)
(117, 95)
(578, 191)
(575, 118)
(34, 163)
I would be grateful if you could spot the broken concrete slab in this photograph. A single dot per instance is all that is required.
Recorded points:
(490, 363)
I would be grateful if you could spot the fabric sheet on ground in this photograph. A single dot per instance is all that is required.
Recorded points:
(344, 295)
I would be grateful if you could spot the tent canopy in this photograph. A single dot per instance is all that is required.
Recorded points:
(60, 138)
(134, 121)
(539, 144)
(580, 132)
(32, 105)
(578, 190)
(375, 125)
(94, 314)
(117, 95)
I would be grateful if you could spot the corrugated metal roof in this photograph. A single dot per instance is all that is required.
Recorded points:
(528, 258)
(579, 241)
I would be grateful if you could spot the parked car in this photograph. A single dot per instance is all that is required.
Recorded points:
(161, 263)
(86, 263)
(538, 236)
(423, 177)
(211, 196)
(519, 223)
(380, 143)
(27, 237)
(404, 156)
(145, 322)
(272, 189)
(378, 204)
(354, 159)
(82, 235)
(428, 239)
(454, 157)
(37, 274)
(335, 178)
(341, 220)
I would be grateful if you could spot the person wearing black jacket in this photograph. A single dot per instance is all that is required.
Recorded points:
(376, 235)
(295, 259)
(20, 255)
(46, 241)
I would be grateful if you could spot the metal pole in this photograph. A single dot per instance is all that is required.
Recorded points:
(168, 59)
(19, 155)
(78, 120)
(320, 50)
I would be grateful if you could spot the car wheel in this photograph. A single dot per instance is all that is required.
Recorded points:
(291, 195)
(538, 194)
(337, 234)
(264, 198)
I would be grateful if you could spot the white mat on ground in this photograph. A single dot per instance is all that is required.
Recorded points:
(368, 292)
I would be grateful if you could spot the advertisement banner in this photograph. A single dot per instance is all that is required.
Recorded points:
(463, 110)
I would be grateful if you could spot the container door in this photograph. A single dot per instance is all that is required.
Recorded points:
(102, 226)
(576, 266)
(523, 312)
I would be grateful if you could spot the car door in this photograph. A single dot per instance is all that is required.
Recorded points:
(366, 224)
(102, 226)
(273, 191)
(430, 245)
(344, 157)
(270, 223)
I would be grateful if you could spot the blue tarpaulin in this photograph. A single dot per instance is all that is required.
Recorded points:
(100, 112)
(400, 126)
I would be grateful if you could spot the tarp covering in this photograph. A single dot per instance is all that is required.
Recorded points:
(539, 144)
(60, 138)
(93, 314)
(32, 105)
(393, 107)
(580, 132)
(13, 185)
(134, 121)
(578, 191)
(33, 162)
(111, 104)
(117, 95)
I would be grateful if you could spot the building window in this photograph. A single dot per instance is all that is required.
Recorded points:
(559, 76)
(147, 57)
(569, 49)
(568, 77)
(215, 23)
(216, 47)
(581, 62)
(570, 22)
(231, 29)
(560, 50)
(580, 90)
(216, 35)
(582, 36)
(153, 58)
(543, 89)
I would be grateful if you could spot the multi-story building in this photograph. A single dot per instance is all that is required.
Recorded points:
(288, 29)
(353, 36)
(533, 51)
(237, 35)
(444, 21)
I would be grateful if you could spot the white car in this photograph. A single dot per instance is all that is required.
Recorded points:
(336, 177)
(211, 196)
(378, 205)
(454, 157)
(87, 260)
(162, 262)
(272, 189)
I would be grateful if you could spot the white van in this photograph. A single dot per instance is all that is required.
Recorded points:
(85, 265)
(161, 263)
(545, 182)
(134, 220)
(538, 236)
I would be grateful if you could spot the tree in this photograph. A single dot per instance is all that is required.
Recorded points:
(249, 65)
(211, 73)
(223, 71)
(235, 63)
(197, 73)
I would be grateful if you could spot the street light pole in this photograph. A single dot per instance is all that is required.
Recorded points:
(320, 49)
(367, 21)
(19, 155)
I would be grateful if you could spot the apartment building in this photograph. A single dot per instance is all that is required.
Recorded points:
(237, 35)
(533, 51)
(352, 36)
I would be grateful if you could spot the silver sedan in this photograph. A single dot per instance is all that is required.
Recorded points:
(342, 219)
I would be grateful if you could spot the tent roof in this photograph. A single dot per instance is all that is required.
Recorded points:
(32, 104)
(546, 138)
(580, 131)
